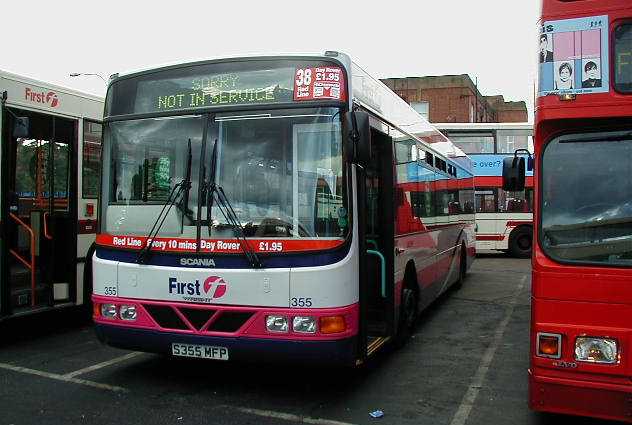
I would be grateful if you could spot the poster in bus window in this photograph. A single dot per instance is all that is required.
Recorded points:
(571, 54)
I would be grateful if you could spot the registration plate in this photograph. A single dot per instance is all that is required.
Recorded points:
(199, 351)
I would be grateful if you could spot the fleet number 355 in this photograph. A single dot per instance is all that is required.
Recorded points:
(110, 290)
(301, 302)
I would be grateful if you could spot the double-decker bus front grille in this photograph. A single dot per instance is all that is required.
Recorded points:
(199, 320)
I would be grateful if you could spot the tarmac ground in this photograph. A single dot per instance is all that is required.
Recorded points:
(466, 363)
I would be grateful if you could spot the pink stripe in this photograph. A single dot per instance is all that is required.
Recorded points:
(489, 237)
(254, 327)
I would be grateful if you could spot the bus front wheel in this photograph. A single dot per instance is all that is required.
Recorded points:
(407, 316)
(520, 241)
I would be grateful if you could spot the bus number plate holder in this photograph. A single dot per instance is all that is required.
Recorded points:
(199, 351)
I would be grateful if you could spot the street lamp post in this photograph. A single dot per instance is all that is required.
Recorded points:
(77, 74)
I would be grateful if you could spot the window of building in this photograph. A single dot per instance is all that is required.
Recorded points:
(422, 108)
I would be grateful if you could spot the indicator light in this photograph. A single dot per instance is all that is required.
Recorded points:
(332, 324)
(549, 345)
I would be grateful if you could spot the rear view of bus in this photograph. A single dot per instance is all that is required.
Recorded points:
(236, 223)
(581, 332)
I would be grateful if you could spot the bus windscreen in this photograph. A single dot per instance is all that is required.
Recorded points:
(588, 223)
(222, 84)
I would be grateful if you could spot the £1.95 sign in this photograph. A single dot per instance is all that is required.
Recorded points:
(324, 82)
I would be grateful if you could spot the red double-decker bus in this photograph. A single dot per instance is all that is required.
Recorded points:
(581, 314)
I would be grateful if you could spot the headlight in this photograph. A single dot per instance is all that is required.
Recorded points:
(128, 312)
(304, 324)
(108, 311)
(596, 350)
(276, 323)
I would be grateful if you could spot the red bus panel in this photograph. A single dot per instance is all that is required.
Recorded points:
(581, 332)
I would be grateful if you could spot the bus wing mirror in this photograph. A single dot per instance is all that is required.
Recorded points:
(21, 127)
(358, 140)
(513, 173)
(530, 163)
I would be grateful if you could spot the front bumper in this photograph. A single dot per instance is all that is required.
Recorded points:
(582, 398)
(332, 352)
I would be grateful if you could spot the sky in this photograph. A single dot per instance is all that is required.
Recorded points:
(494, 41)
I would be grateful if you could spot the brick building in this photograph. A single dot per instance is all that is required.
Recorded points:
(455, 98)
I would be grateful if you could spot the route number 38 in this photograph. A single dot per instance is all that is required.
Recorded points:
(303, 77)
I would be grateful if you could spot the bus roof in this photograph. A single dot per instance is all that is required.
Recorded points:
(367, 91)
(562, 8)
(326, 55)
(28, 93)
(374, 95)
(483, 126)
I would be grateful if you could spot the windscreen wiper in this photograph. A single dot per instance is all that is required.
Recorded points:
(216, 193)
(187, 178)
(182, 187)
(211, 199)
(201, 192)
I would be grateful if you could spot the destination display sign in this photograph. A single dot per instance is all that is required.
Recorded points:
(226, 84)
(216, 89)
(623, 58)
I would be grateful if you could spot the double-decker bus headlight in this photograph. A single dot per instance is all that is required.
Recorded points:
(128, 312)
(596, 350)
(276, 323)
(108, 311)
(304, 324)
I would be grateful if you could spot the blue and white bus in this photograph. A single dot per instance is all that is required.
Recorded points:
(504, 219)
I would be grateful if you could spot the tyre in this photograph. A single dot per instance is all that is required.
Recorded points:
(462, 270)
(407, 316)
(520, 241)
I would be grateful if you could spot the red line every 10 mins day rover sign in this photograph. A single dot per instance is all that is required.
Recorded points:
(325, 82)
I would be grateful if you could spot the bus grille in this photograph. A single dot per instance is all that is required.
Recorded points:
(165, 316)
(195, 319)
(230, 321)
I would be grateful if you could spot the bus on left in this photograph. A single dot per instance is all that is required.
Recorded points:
(50, 140)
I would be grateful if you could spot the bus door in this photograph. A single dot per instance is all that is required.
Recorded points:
(377, 206)
(40, 248)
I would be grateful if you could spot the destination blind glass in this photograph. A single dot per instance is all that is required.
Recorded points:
(193, 87)
(623, 58)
